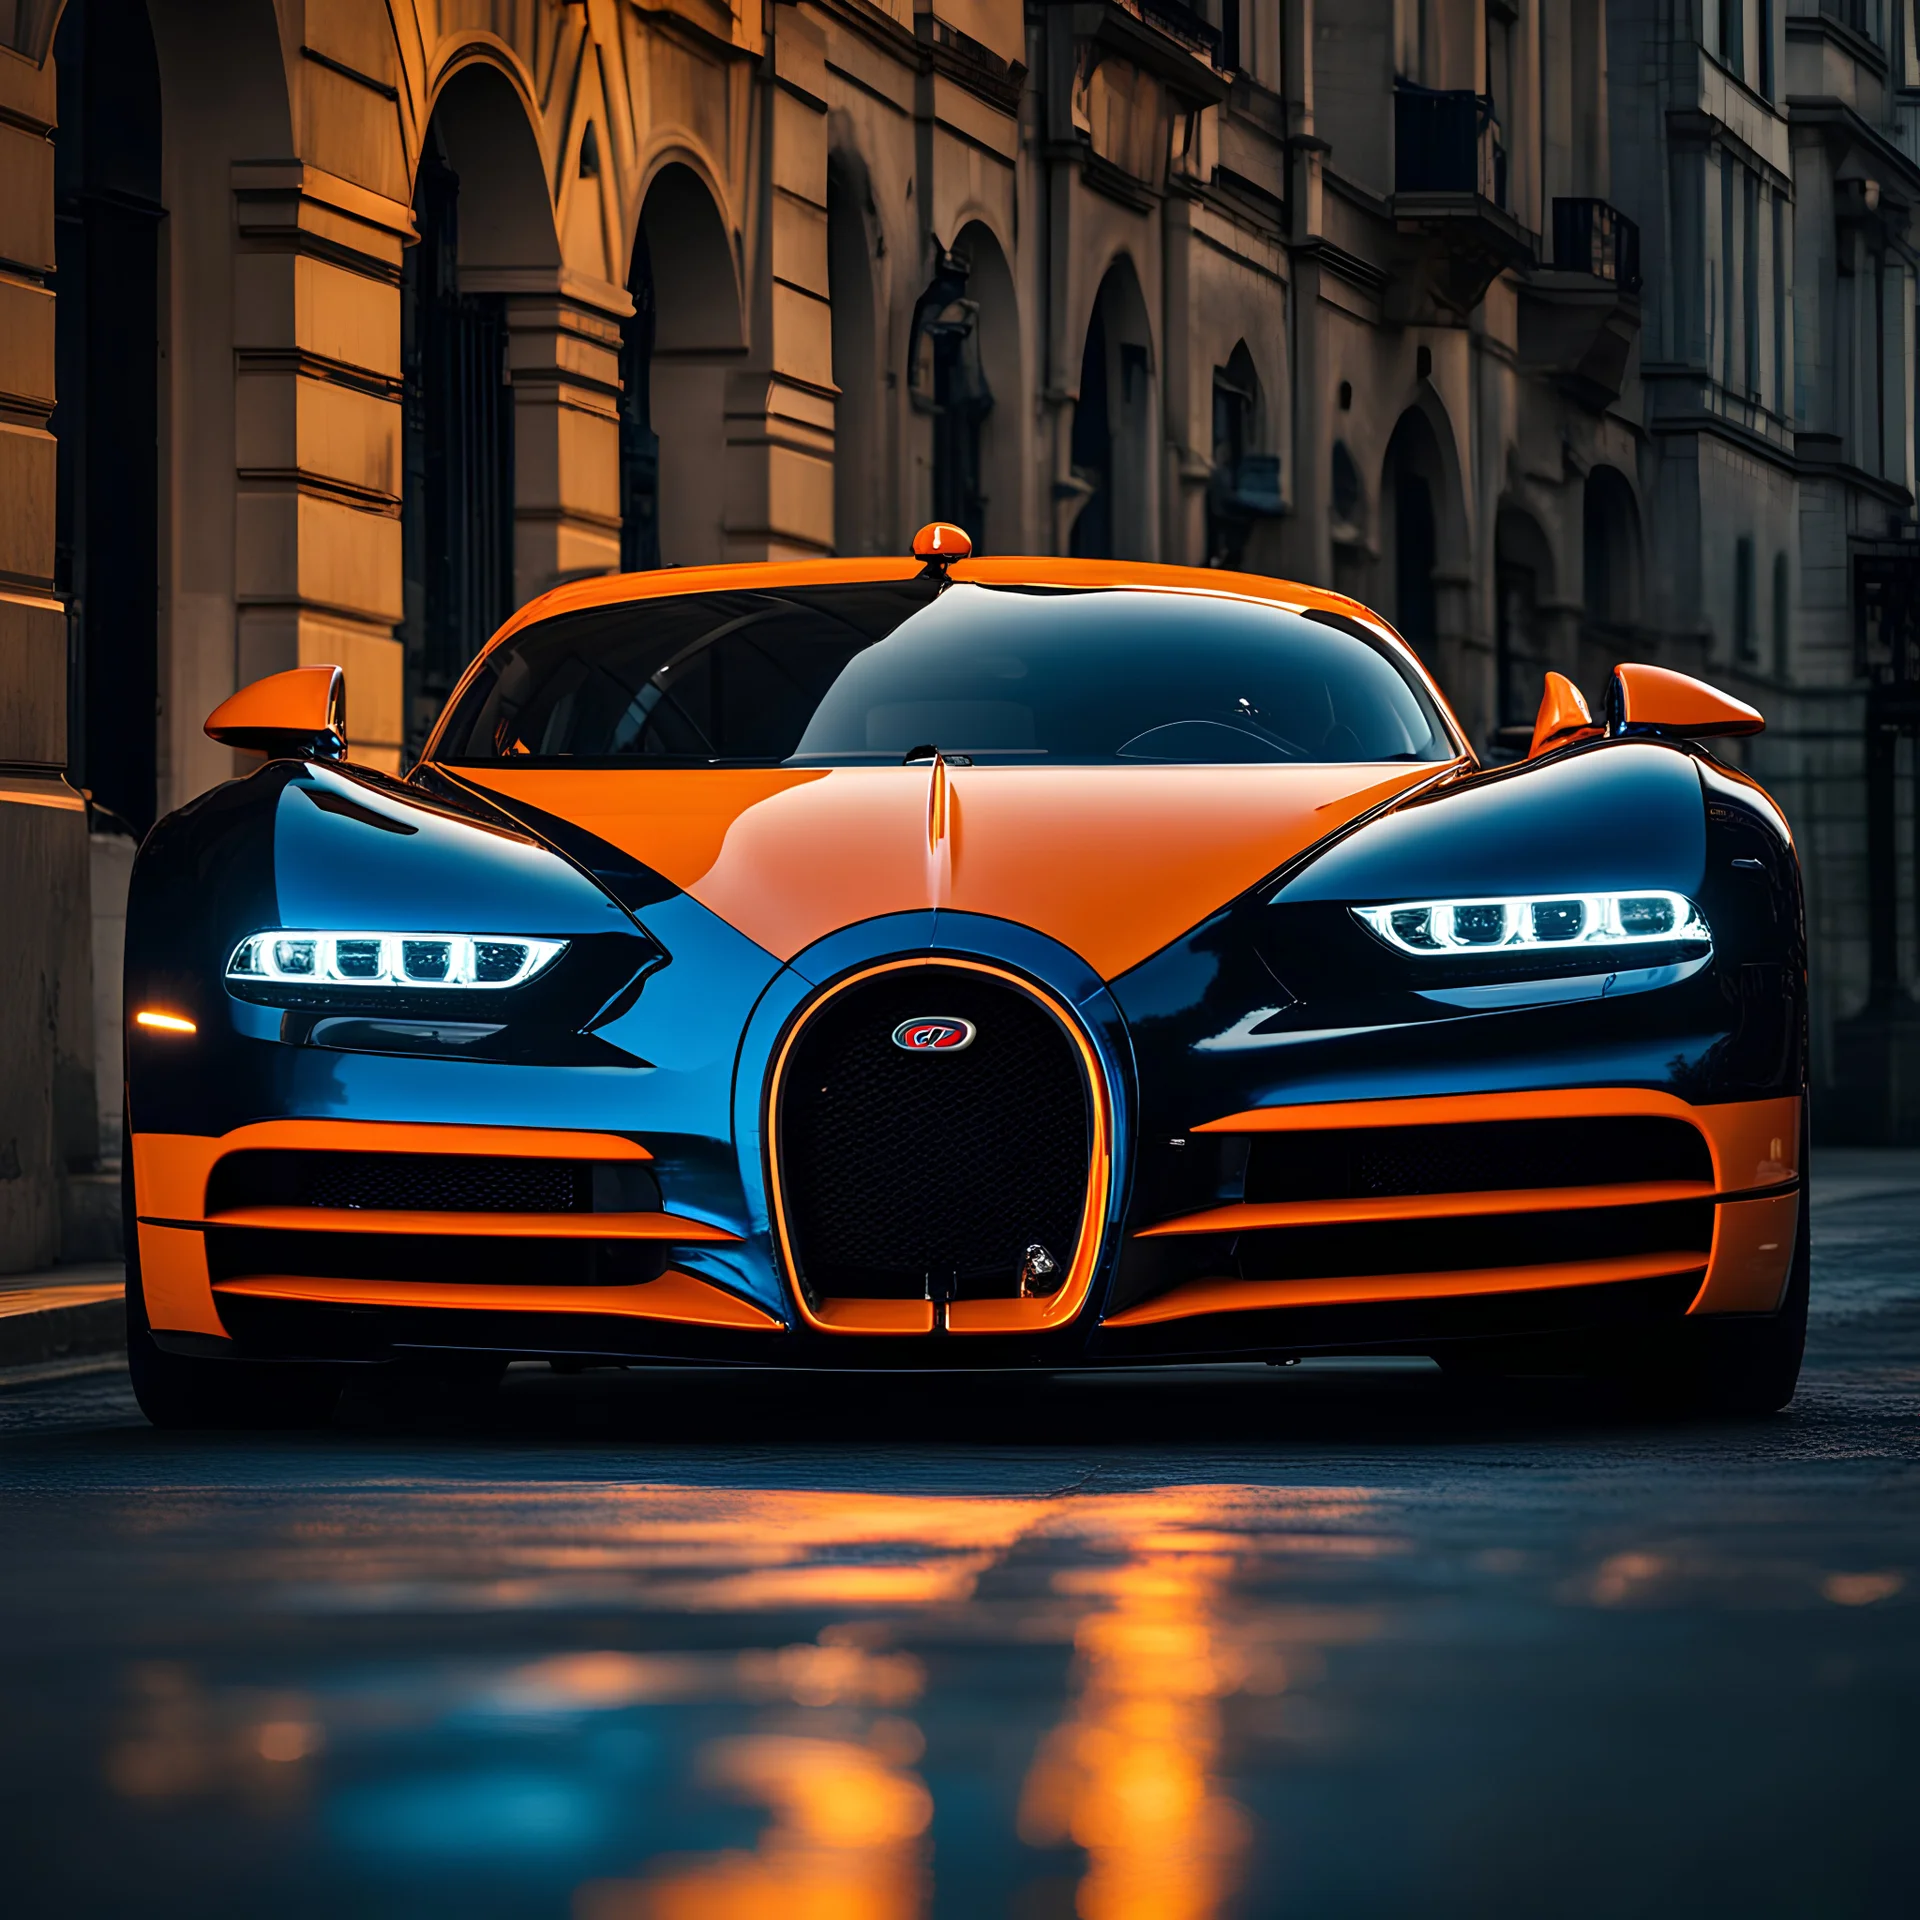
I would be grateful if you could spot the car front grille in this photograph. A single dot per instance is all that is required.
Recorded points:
(910, 1175)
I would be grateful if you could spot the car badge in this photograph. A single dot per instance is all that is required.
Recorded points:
(933, 1036)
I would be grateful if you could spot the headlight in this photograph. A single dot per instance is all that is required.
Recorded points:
(1536, 923)
(435, 961)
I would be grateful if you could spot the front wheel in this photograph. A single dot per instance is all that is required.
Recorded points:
(1753, 1365)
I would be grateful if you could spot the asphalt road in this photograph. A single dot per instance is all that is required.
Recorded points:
(1326, 1641)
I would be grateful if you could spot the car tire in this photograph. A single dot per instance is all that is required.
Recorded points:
(1751, 1365)
(176, 1391)
(1743, 1364)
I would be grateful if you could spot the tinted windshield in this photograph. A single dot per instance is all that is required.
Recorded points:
(874, 674)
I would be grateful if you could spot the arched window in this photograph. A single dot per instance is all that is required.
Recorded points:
(675, 350)
(1245, 484)
(1523, 579)
(480, 202)
(1113, 434)
(857, 521)
(1610, 548)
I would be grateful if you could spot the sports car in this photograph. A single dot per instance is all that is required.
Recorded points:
(954, 962)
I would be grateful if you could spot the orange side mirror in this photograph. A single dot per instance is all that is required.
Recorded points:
(1658, 700)
(301, 714)
(1564, 717)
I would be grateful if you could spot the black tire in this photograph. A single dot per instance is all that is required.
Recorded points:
(176, 1391)
(1752, 1365)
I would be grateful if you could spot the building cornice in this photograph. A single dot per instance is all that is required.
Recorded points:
(1826, 114)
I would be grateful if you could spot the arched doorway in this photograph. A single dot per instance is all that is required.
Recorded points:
(480, 205)
(1410, 494)
(1523, 583)
(1113, 438)
(965, 345)
(107, 235)
(1244, 487)
(675, 352)
(1610, 549)
(857, 520)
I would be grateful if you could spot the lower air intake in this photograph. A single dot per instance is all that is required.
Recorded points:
(931, 1173)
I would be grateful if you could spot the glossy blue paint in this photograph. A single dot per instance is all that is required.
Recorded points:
(1615, 814)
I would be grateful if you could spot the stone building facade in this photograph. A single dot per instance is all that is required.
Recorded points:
(334, 329)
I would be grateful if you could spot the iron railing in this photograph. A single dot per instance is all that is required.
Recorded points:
(1590, 236)
(1180, 22)
(1447, 141)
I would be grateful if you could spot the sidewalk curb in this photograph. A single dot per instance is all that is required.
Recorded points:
(62, 1330)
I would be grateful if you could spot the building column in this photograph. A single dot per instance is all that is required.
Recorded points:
(780, 407)
(47, 1120)
(317, 563)
(563, 354)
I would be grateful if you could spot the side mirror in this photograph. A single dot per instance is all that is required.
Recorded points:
(301, 714)
(1564, 717)
(1658, 700)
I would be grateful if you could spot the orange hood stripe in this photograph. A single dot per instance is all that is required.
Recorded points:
(1112, 862)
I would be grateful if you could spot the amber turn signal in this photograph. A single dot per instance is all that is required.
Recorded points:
(941, 543)
(163, 1022)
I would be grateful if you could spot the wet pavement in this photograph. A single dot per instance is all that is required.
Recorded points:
(1323, 1641)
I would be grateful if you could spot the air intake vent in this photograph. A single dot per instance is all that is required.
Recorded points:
(1477, 1157)
(429, 1183)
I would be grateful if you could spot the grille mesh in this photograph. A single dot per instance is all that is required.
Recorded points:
(905, 1173)
(401, 1182)
(1477, 1157)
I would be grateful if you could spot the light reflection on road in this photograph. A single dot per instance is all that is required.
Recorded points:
(810, 1751)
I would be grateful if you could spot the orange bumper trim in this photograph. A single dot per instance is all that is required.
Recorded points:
(1252, 1216)
(674, 1296)
(1754, 1143)
(1240, 1296)
(490, 1226)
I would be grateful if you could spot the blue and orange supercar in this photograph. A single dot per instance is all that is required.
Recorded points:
(957, 962)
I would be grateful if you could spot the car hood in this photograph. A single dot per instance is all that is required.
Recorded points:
(1112, 862)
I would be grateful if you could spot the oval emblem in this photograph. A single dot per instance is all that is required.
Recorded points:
(933, 1036)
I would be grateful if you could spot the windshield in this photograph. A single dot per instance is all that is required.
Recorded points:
(875, 674)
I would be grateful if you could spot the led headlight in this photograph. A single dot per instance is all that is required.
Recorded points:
(1536, 923)
(434, 961)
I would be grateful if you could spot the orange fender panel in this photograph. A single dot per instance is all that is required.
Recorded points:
(1752, 1255)
(173, 1277)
